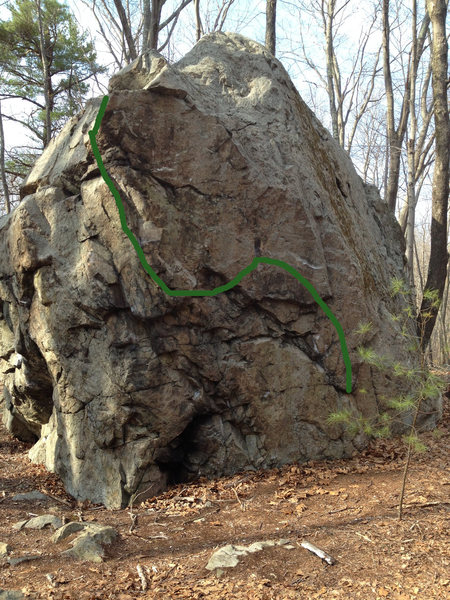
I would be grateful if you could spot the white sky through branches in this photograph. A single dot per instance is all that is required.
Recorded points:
(246, 17)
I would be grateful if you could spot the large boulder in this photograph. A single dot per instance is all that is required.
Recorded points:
(216, 160)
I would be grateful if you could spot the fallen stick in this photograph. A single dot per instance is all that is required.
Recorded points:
(199, 516)
(151, 537)
(142, 578)
(422, 505)
(51, 579)
(167, 574)
(134, 519)
(238, 499)
(44, 491)
(320, 553)
(338, 510)
(364, 537)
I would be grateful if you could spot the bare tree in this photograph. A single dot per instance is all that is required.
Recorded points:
(2, 165)
(333, 72)
(214, 15)
(439, 342)
(131, 27)
(198, 21)
(424, 142)
(411, 154)
(420, 153)
(437, 266)
(271, 25)
(130, 48)
(349, 88)
(396, 134)
(152, 19)
(153, 24)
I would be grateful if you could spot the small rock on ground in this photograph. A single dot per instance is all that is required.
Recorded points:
(31, 496)
(228, 556)
(11, 595)
(85, 548)
(39, 522)
(89, 544)
(67, 530)
(20, 559)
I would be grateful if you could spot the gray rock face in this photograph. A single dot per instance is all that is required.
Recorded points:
(217, 160)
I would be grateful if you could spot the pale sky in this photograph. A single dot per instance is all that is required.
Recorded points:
(246, 17)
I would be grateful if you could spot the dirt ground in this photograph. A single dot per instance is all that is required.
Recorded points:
(347, 508)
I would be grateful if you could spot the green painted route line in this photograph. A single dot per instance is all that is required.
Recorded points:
(223, 288)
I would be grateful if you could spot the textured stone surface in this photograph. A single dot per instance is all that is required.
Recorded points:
(89, 544)
(11, 595)
(229, 555)
(40, 522)
(21, 559)
(30, 496)
(217, 159)
(67, 529)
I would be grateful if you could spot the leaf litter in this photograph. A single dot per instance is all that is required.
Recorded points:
(346, 508)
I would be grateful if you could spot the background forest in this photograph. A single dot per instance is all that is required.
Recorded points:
(374, 72)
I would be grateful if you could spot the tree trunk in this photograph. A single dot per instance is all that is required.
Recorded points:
(154, 24)
(329, 16)
(47, 78)
(437, 267)
(132, 53)
(271, 24)
(2, 165)
(395, 135)
(411, 151)
(147, 14)
(198, 21)
(392, 142)
(444, 351)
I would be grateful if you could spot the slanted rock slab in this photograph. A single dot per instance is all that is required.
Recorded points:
(40, 522)
(68, 529)
(228, 556)
(88, 545)
(86, 548)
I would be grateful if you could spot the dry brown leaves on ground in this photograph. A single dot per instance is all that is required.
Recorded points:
(347, 508)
